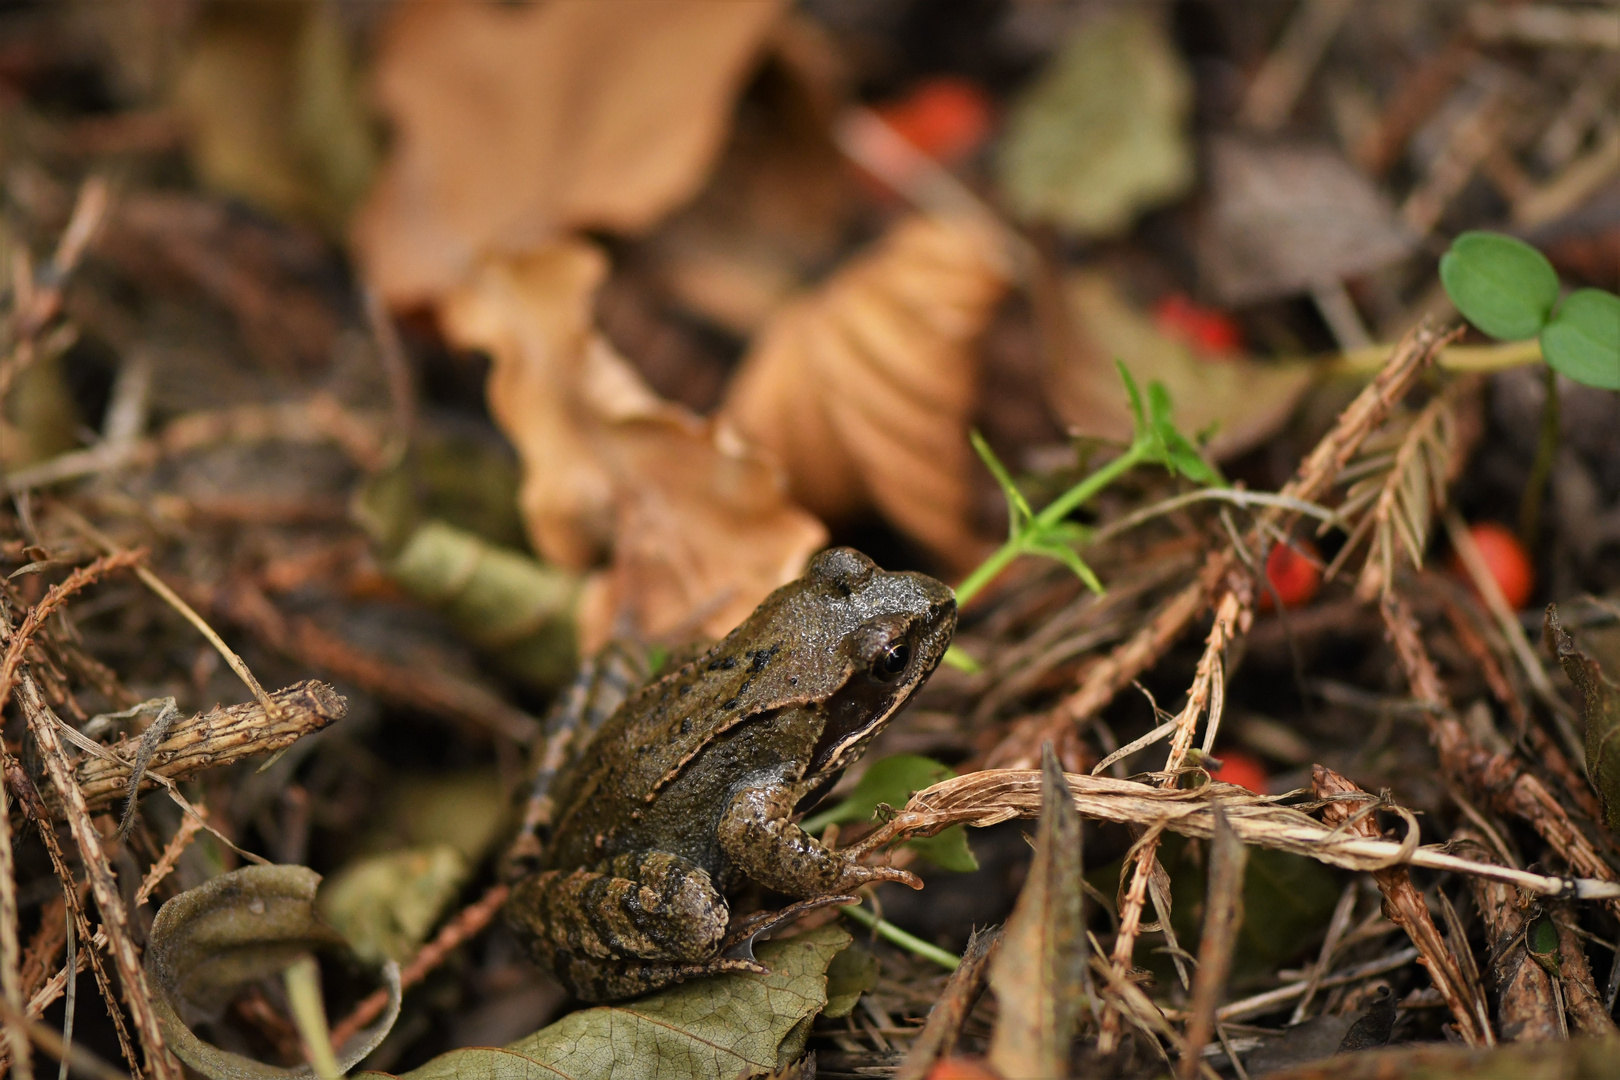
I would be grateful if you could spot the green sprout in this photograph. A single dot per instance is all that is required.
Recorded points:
(1049, 533)
(1510, 291)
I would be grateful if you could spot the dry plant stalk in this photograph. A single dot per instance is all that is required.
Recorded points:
(1510, 789)
(1526, 1003)
(212, 739)
(305, 641)
(1316, 474)
(1405, 907)
(1582, 1002)
(1223, 915)
(944, 1025)
(18, 784)
(1395, 485)
(42, 724)
(992, 796)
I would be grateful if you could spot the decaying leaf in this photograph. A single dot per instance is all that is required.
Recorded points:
(1287, 219)
(385, 905)
(1036, 974)
(863, 389)
(1223, 914)
(1600, 712)
(695, 523)
(515, 122)
(1102, 134)
(717, 1028)
(242, 926)
(852, 973)
(269, 94)
(1242, 401)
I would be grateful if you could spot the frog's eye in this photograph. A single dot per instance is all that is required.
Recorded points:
(892, 661)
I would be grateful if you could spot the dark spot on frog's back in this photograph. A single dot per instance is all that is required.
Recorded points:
(725, 663)
(760, 657)
(686, 725)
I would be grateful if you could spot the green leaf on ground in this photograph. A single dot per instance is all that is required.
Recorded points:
(1503, 286)
(387, 904)
(891, 781)
(852, 973)
(1600, 712)
(716, 1028)
(1101, 134)
(1583, 339)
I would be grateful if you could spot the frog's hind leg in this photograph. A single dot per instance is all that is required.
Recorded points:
(651, 906)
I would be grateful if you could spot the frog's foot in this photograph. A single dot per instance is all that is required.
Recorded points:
(857, 875)
(739, 942)
(590, 979)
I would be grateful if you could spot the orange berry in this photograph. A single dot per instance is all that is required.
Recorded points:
(1505, 558)
(1243, 769)
(957, 1068)
(946, 118)
(1293, 573)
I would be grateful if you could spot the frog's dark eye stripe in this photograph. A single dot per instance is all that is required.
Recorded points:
(892, 660)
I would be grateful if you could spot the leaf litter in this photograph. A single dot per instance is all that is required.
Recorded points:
(365, 371)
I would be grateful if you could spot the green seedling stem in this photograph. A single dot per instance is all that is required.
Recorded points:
(896, 936)
(1041, 525)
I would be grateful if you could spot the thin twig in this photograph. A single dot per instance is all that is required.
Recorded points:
(10, 982)
(55, 598)
(102, 885)
(186, 611)
(469, 922)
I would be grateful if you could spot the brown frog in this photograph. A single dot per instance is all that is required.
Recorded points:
(692, 786)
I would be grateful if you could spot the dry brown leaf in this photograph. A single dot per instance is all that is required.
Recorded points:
(863, 389)
(1037, 974)
(696, 524)
(1244, 401)
(514, 122)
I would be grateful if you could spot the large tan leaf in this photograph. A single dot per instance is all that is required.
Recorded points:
(1242, 400)
(515, 121)
(863, 389)
(709, 1029)
(697, 525)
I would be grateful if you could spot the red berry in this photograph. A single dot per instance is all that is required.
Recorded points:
(1294, 573)
(1206, 329)
(946, 118)
(1506, 560)
(1243, 769)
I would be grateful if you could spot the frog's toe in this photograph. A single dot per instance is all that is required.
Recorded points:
(739, 942)
(871, 875)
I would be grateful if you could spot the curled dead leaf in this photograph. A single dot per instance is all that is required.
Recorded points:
(863, 388)
(515, 122)
(246, 925)
(696, 524)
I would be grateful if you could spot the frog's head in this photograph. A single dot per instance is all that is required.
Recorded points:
(886, 633)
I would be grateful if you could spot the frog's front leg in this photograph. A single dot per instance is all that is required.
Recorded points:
(758, 834)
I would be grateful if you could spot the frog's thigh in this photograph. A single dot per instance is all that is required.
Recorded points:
(646, 906)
